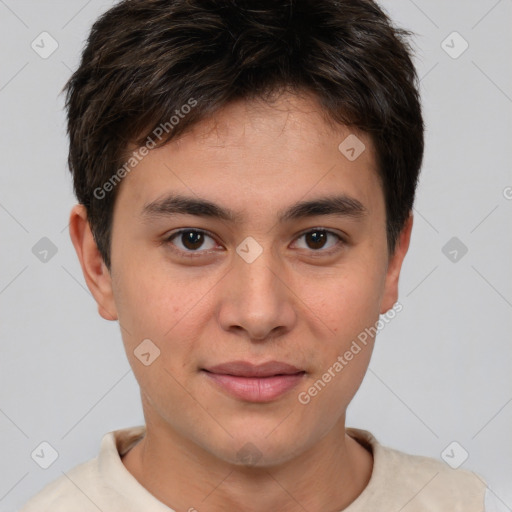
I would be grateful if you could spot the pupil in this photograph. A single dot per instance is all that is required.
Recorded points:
(192, 239)
(318, 239)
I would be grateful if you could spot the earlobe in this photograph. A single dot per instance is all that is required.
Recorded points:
(96, 274)
(390, 295)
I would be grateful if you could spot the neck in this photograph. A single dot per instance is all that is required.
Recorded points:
(326, 477)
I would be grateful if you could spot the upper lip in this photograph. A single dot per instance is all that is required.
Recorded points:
(247, 369)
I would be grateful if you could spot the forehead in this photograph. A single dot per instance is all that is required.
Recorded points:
(253, 155)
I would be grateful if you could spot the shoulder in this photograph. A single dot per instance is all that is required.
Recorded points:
(436, 482)
(102, 483)
(421, 483)
(71, 491)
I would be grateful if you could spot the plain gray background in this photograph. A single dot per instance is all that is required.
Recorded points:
(441, 369)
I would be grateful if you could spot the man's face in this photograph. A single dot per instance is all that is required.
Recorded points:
(265, 286)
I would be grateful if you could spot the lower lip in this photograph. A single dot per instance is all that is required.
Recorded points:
(256, 389)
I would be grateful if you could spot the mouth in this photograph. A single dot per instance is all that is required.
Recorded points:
(255, 383)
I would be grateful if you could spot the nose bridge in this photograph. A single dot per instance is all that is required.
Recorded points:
(258, 279)
(256, 298)
(256, 272)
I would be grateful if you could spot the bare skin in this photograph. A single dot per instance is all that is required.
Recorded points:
(297, 302)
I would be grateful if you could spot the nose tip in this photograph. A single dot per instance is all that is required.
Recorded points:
(266, 336)
(255, 301)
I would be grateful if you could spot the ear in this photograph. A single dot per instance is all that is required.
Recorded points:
(390, 295)
(96, 274)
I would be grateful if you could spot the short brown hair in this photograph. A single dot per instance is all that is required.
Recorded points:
(145, 59)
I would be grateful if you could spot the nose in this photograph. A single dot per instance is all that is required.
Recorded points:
(257, 302)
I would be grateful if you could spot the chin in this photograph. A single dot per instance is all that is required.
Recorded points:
(258, 452)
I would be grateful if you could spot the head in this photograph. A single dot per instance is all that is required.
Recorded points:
(246, 173)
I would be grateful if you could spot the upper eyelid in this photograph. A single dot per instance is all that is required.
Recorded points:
(184, 230)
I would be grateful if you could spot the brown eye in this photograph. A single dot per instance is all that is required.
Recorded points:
(191, 240)
(320, 240)
(316, 239)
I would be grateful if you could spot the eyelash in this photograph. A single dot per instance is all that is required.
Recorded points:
(200, 253)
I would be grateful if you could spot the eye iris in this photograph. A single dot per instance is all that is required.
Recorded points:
(318, 239)
(192, 239)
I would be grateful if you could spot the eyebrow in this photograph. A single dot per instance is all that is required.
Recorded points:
(339, 205)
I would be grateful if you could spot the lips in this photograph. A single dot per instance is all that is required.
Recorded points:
(255, 383)
(246, 369)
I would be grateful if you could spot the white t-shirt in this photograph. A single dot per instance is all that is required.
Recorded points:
(399, 482)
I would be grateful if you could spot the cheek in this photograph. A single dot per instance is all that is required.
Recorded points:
(170, 309)
(344, 355)
(143, 305)
(151, 300)
(351, 312)
(346, 301)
